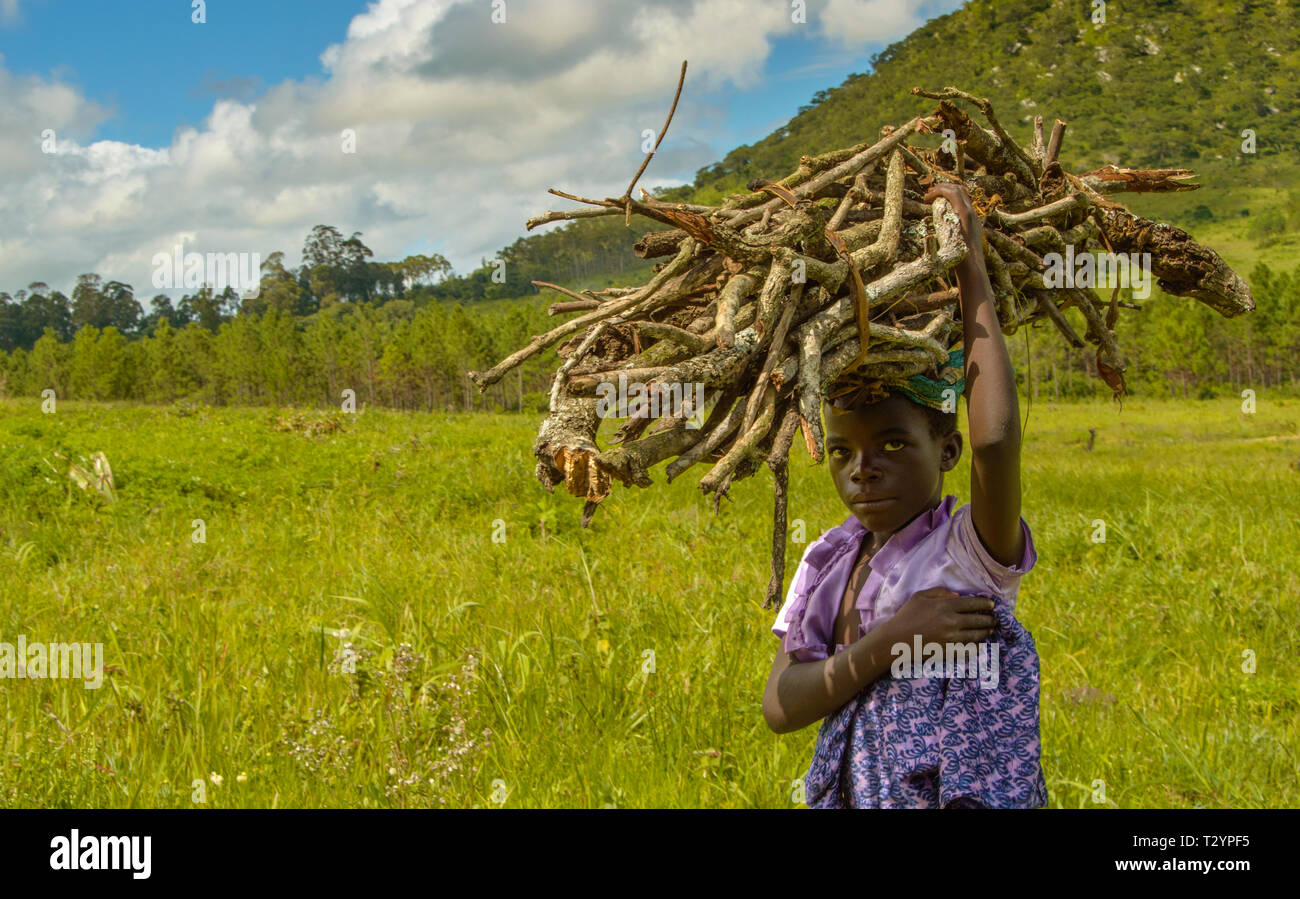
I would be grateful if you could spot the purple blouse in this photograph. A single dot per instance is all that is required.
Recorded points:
(920, 741)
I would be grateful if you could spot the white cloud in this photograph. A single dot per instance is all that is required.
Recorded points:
(852, 23)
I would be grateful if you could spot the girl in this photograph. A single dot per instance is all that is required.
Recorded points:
(907, 575)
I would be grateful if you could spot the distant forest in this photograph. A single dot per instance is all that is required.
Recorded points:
(398, 333)
(344, 322)
(334, 270)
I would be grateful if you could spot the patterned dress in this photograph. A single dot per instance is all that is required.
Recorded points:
(921, 742)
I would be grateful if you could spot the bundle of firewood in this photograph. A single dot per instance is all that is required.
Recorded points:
(837, 275)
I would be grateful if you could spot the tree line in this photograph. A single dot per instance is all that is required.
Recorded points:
(391, 355)
(335, 269)
(404, 334)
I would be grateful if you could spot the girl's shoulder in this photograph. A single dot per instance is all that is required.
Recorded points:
(813, 567)
(830, 541)
(966, 546)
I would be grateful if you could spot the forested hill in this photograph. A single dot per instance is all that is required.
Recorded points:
(1162, 83)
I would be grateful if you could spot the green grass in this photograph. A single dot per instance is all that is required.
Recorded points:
(226, 652)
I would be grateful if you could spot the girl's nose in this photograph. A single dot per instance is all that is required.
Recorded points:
(866, 467)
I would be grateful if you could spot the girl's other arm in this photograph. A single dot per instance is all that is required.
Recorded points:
(802, 693)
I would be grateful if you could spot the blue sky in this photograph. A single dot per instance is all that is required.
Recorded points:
(145, 60)
(148, 62)
(239, 106)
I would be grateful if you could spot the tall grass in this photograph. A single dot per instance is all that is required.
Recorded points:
(395, 613)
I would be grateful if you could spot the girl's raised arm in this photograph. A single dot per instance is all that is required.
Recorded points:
(994, 413)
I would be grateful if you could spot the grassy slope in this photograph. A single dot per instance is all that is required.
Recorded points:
(1116, 85)
(1041, 57)
(387, 529)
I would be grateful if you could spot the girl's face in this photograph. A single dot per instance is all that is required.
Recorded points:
(885, 450)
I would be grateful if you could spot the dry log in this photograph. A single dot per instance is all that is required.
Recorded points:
(659, 243)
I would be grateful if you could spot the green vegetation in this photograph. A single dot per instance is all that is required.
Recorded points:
(402, 357)
(227, 658)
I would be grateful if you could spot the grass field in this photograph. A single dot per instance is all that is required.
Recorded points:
(518, 670)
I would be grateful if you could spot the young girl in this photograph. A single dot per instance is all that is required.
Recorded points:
(905, 570)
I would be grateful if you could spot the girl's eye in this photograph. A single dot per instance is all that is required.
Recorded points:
(899, 442)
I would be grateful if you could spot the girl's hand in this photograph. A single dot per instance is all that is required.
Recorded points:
(939, 615)
(956, 195)
(972, 229)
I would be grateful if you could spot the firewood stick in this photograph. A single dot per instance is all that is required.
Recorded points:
(1063, 205)
(775, 349)
(1054, 143)
(762, 224)
(562, 215)
(778, 461)
(1112, 179)
(1083, 299)
(744, 445)
(912, 359)
(1048, 304)
(856, 194)
(739, 287)
(914, 162)
(654, 244)
(776, 284)
(714, 438)
(886, 245)
(1184, 267)
(564, 290)
(785, 434)
(659, 331)
(576, 306)
(1013, 155)
(557, 383)
(539, 343)
(917, 303)
(1009, 249)
(658, 140)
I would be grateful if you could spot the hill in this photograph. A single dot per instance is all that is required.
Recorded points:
(1159, 84)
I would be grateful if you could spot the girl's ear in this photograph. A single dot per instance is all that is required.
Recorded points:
(952, 448)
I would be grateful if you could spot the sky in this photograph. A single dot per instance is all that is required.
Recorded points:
(129, 128)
